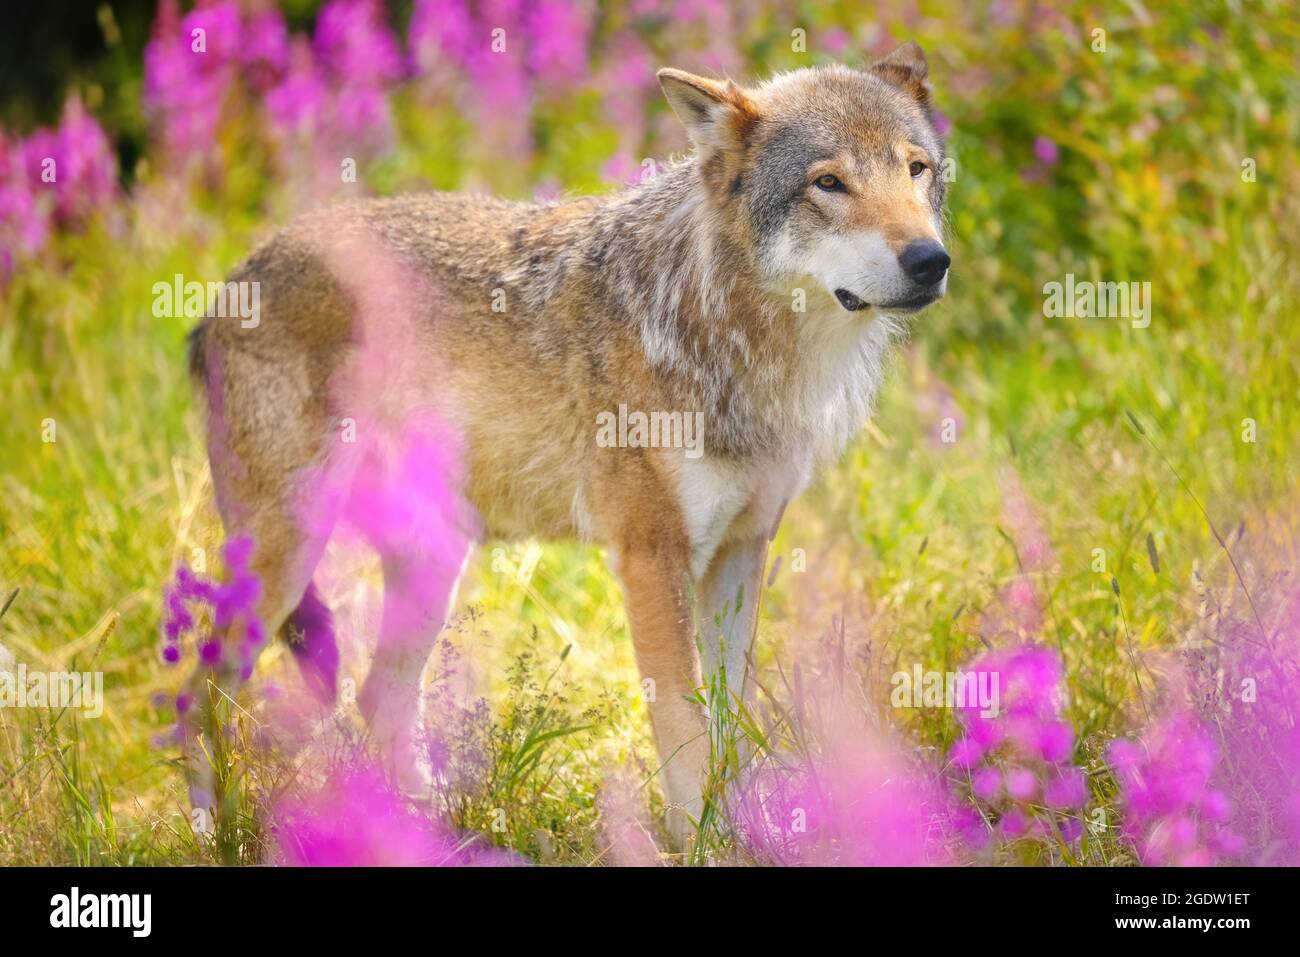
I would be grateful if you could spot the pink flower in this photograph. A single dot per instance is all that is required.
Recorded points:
(1173, 813)
(860, 801)
(87, 165)
(1046, 151)
(187, 76)
(297, 104)
(1032, 545)
(1021, 754)
(264, 50)
(357, 819)
(232, 602)
(356, 45)
(557, 32)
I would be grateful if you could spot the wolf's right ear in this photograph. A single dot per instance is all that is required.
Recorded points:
(716, 114)
(906, 69)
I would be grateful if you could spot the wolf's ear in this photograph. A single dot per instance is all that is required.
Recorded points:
(717, 114)
(906, 69)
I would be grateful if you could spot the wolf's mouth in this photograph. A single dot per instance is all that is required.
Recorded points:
(849, 301)
(910, 305)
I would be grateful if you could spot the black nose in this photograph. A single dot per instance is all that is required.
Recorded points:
(925, 261)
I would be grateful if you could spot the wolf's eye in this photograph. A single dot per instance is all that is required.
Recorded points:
(829, 183)
(916, 169)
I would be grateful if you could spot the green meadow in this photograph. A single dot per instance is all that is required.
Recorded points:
(1151, 451)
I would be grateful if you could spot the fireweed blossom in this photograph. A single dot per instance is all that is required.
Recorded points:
(188, 74)
(1173, 814)
(624, 826)
(355, 44)
(24, 216)
(857, 798)
(1018, 763)
(390, 485)
(1244, 681)
(53, 178)
(232, 603)
(296, 106)
(362, 58)
(356, 818)
(1018, 612)
(941, 415)
(332, 89)
(486, 46)
(1262, 742)
(81, 160)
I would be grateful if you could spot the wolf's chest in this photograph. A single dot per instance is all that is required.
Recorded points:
(722, 500)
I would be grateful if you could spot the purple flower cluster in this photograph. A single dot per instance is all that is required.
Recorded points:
(504, 51)
(1173, 813)
(333, 88)
(191, 65)
(1018, 760)
(322, 99)
(56, 177)
(231, 603)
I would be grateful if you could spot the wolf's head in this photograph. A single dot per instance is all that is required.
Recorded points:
(832, 173)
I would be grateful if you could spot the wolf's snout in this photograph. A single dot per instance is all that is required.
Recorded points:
(924, 262)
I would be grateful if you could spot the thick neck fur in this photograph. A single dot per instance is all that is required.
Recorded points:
(678, 263)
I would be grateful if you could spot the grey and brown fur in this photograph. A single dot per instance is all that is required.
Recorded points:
(676, 294)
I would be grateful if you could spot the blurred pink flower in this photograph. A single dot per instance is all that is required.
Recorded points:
(557, 33)
(24, 221)
(185, 88)
(835, 41)
(441, 30)
(1018, 759)
(942, 124)
(1046, 151)
(624, 825)
(1173, 813)
(1033, 547)
(355, 44)
(264, 48)
(296, 106)
(940, 414)
(861, 800)
(87, 165)
(357, 819)
(622, 169)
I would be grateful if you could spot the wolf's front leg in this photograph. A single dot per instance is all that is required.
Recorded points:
(726, 610)
(654, 584)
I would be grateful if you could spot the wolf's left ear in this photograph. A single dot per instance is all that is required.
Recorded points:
(906, 69)
(716, 114)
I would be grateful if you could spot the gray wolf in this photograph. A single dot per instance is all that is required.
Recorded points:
(756, 284)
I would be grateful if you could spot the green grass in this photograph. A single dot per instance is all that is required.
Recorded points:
(904, 539)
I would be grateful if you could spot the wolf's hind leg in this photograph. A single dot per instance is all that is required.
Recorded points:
(419, 594)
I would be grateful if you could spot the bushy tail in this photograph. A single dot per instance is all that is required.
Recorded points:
(310, 633)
